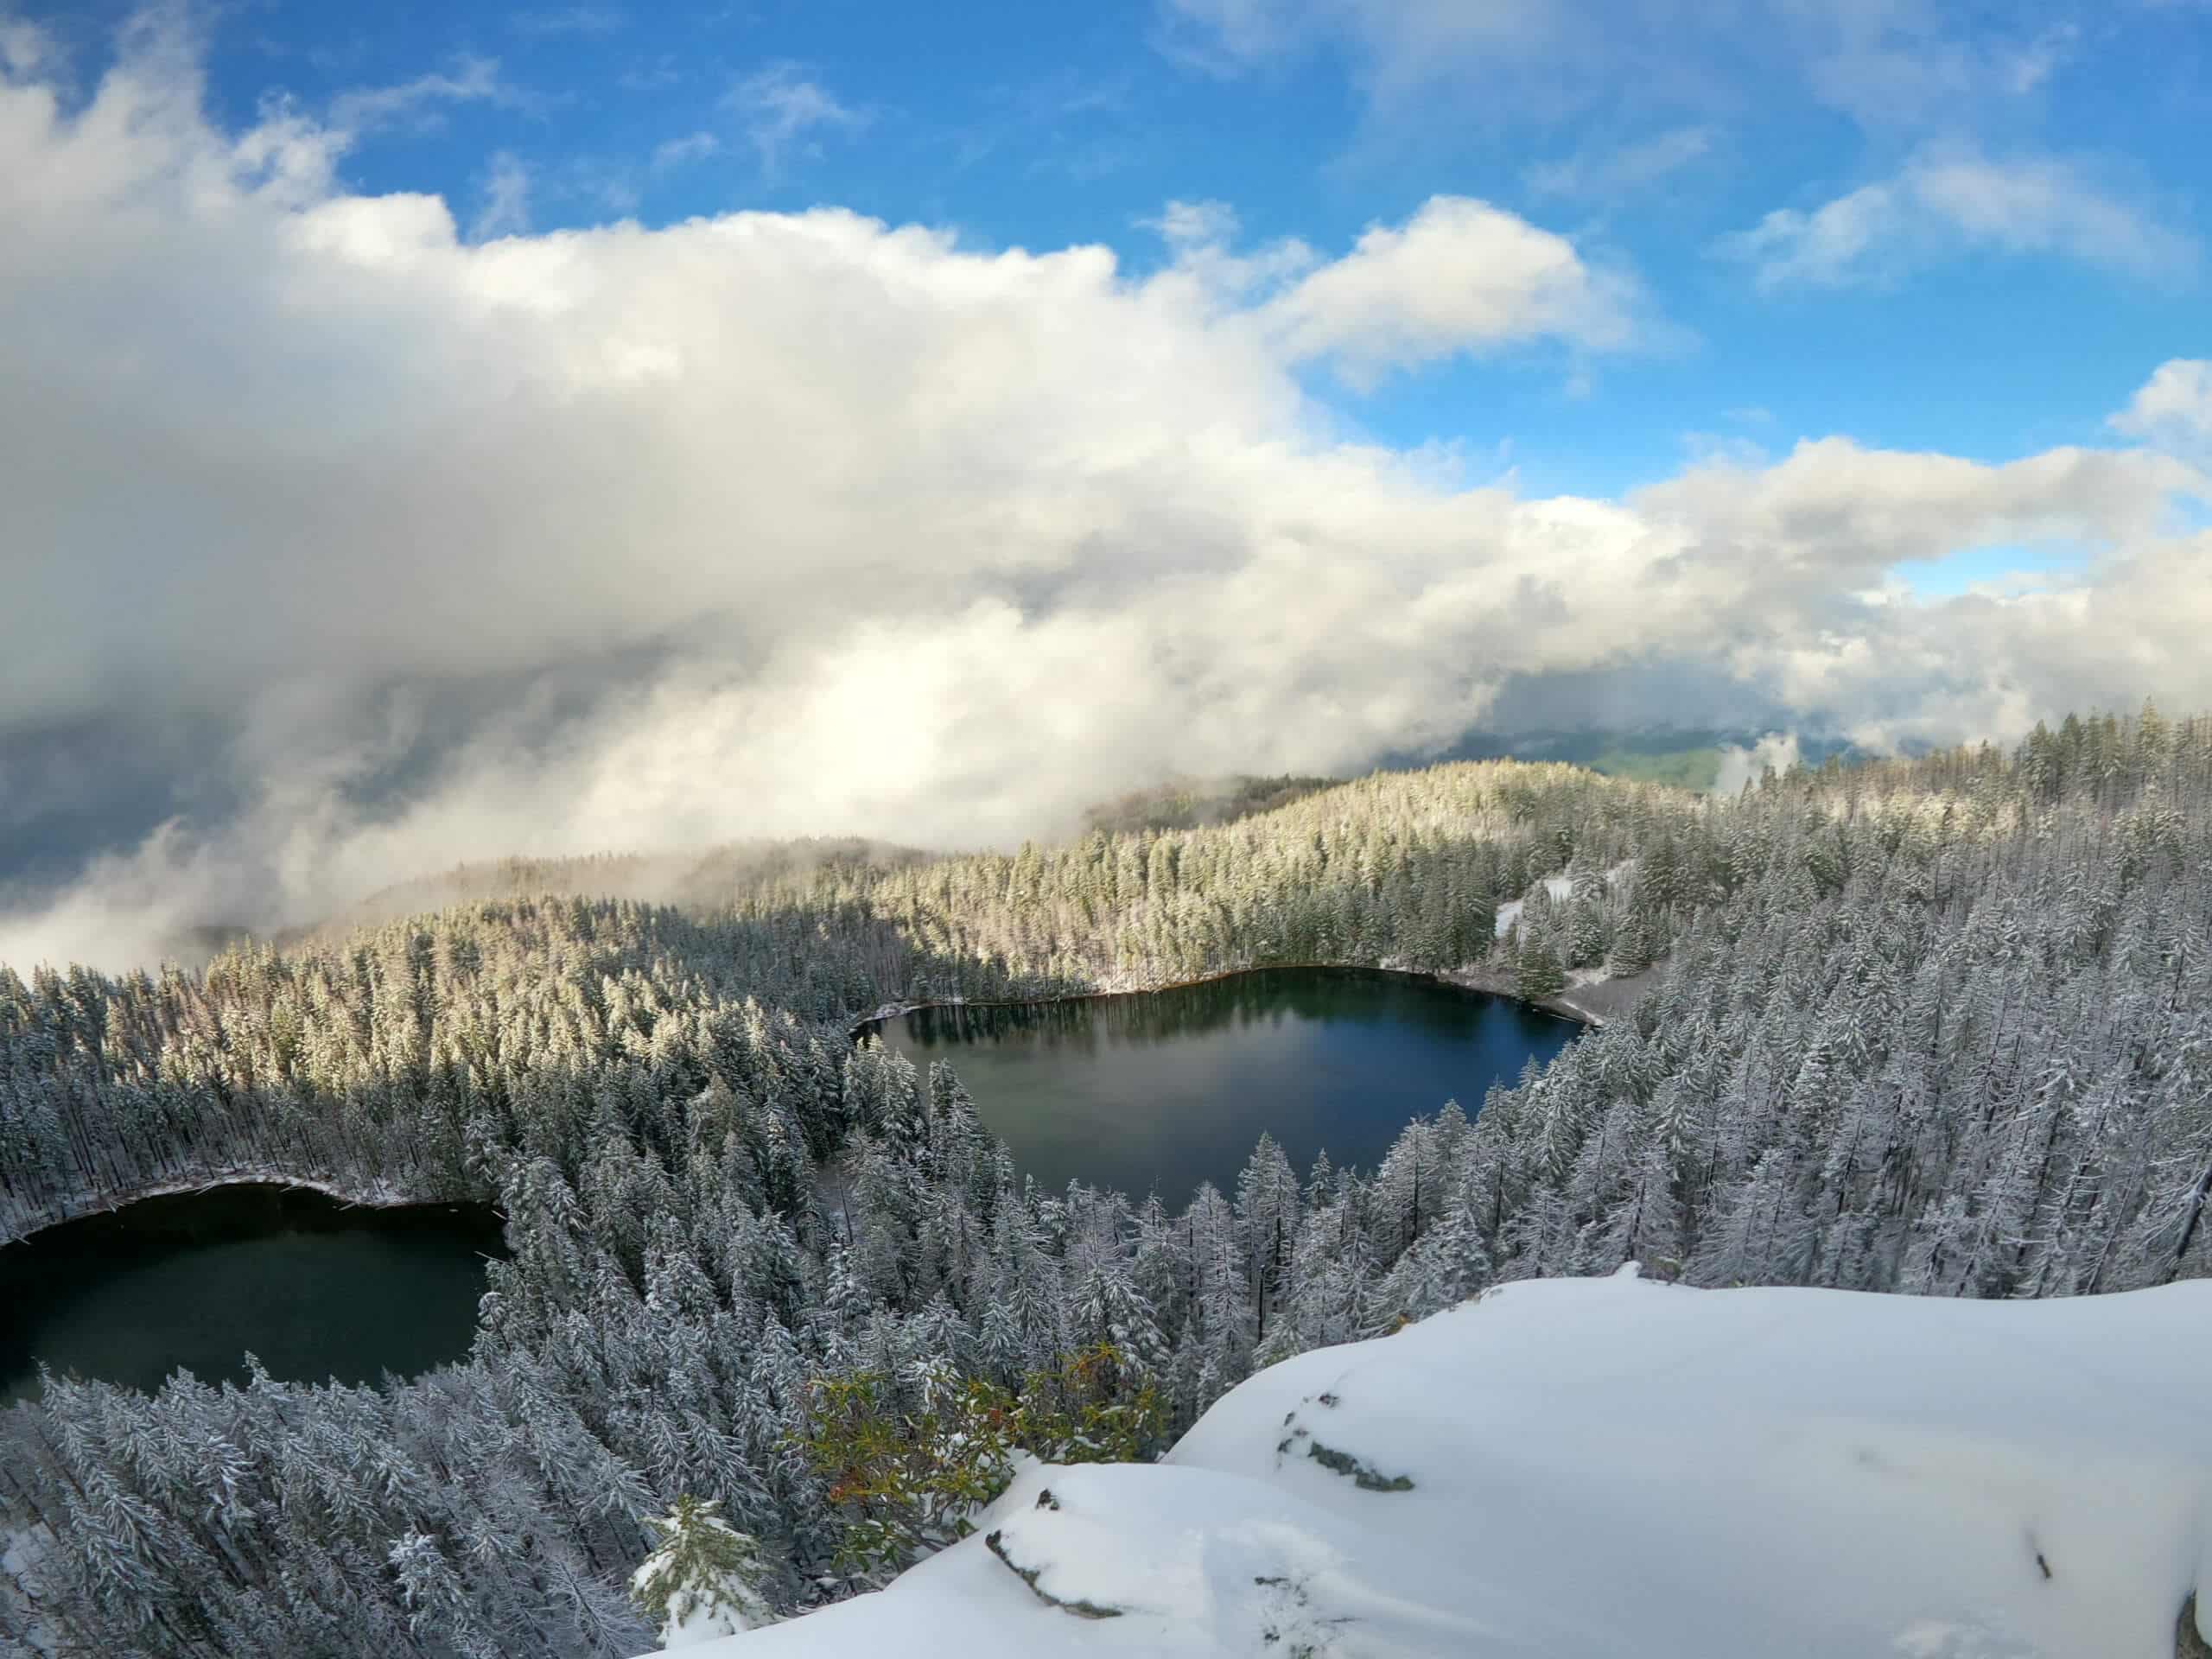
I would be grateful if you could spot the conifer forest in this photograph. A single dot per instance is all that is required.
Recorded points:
(1938, 1027)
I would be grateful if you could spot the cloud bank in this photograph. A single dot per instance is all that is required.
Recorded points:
(341, 547)
(1888, 64)
(2173, 408)
(1945, 203)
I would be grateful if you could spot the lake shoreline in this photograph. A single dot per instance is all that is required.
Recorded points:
(384, 1198)
(319, 1288)
(1483, 980)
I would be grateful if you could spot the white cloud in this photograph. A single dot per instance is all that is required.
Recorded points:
(1624, 169)
(1922, 63)
(780, 523)
(780, 108)
(1398, 41)
(1460, 275)
(1887, 63)
(1190, 225)
(2027, 65)
(656, 75)
(2045, 205)
(1834, 244)
(1943, 203)
(682, 152)
(1740, 766)
(1831, 512)
(2173, 409)
(504, 210)
(25, 49)
(420, 101)
(1201, 238)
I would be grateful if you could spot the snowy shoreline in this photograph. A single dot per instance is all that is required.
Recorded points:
(380, 1196)
(1486, 981)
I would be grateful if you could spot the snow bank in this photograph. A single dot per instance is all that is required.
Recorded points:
(1582, 1469)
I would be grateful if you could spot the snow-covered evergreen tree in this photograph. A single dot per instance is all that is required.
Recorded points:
(702, 1578)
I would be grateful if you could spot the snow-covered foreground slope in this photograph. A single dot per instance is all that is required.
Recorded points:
(1613, 1467)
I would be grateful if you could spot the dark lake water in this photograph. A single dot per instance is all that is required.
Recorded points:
(315, 1288)
(1168, 1089)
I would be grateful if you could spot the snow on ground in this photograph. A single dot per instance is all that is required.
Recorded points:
(22, 1549)
(1560, 887)
(1585, 1469)
(1597, 996)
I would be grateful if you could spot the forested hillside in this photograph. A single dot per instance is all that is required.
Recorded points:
(1941, 1026)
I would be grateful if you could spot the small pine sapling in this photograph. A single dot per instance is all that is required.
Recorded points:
(704, 1580)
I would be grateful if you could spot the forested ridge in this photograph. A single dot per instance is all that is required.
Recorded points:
(1941, 1026)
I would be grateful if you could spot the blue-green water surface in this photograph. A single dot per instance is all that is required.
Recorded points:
(1167, 1089)
(315, 1288)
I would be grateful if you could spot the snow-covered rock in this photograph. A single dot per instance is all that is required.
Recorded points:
(1585, 1469)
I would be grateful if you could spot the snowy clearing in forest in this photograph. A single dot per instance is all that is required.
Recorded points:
(1582, 1469)
(1560, 888)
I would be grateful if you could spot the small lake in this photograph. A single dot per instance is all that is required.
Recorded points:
(313, 1288)
(1166, 1089)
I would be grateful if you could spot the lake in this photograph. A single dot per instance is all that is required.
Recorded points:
(1166, 1089)
(314, 1287)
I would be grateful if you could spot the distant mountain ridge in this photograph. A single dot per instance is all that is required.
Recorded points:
(1688, 757)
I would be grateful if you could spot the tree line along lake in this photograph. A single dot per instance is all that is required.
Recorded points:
(1154, 1091)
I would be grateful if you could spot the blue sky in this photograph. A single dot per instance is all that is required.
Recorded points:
(1044, 127)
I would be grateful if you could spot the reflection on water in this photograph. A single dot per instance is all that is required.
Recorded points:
(1170, 1088)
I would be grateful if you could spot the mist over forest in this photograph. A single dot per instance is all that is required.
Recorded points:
(1089, 522)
